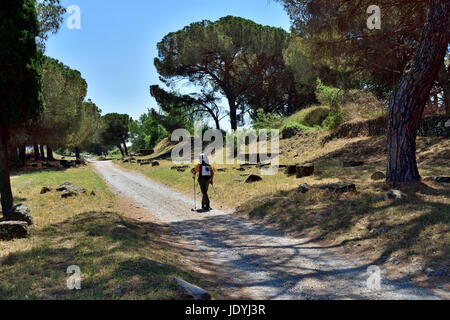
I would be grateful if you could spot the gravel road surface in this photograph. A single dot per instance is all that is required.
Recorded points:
(261, 263)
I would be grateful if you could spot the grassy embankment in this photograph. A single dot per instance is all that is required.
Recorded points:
(415, 229)
(79, 231)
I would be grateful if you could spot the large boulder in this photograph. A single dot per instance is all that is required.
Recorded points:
(10, 230)
(68, 194)
(291, 170)
(393, 195)
(45, 190)
(70, 187)
(155, 164)
(253, 178)
(378, 176)
(304, 188)
(443, 179)
(305, 170)
(20, 213)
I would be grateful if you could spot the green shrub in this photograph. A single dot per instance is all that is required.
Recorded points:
(335, 119)
(264, 120)
(329, 96)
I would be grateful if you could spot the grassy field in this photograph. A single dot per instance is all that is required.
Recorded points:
(80, 231)
(415, 229)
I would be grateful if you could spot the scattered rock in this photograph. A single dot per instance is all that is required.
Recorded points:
(378, 176)
(120, 231)
(394, 261)
(10, 230)
(253, 178)
(291, 170)
(442, 179)
(192, 291)
(68, 194)
(143, 162)
(20, 213)
(305, 170)
(70, 188)
(289, 132)
(352, 163)
(304, 188)
(340, 187)
(393, 195)
(179, 167)
(44, 190)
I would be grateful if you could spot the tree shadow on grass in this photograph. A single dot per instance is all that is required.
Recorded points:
(418, 227)
(136, 264)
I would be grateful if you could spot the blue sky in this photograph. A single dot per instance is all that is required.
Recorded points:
(116, 45)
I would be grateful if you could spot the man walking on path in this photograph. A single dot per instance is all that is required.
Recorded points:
(206, 177)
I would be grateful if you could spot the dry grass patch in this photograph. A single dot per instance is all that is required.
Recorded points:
(138, 264)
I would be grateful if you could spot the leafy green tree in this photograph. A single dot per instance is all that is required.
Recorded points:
(20, 68)
(89, 124)
(230, 55)
(146, 132)
(406, 54)
(64, 91)
(114, 131)
(50, 15)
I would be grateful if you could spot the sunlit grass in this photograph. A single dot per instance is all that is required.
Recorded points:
(79, 231)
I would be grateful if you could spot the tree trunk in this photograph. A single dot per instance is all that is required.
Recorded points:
(412, 92)
(22, 155)
(125, 148)
(121, 150)
(216, 120)
(77, 153)
(292, 98)
(41, 148)
(233, 113)
(5, 182)
(37, 156)
(50, 154)
(445, 83)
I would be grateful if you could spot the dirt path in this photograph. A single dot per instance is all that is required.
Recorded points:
(261, 263)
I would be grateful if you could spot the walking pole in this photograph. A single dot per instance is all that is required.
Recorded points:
(195, 196)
